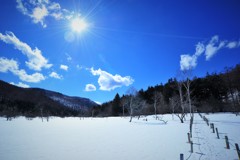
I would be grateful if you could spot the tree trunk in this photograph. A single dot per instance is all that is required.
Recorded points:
(131, 109)
(130, 119)
(155, 108)
(181, 101)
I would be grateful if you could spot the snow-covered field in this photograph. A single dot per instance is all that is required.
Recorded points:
(117, 139)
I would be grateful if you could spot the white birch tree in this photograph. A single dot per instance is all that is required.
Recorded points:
(157, 97)
(132, 92)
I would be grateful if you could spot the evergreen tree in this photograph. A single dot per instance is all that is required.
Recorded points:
(116, 105)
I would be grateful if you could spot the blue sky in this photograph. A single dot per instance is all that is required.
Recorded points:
(114, 44)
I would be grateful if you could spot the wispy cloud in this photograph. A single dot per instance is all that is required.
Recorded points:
(55, 75)
(108, 82)
(10, 65)
(36, 61)
(64, 67)
(190, 61)
(233, 44)
(39, 10)
(54, 6)
(79, 67)
(90, 87)
(34, 78)
(20, 84)
(213, 47)
(209, 49)
(69, 58)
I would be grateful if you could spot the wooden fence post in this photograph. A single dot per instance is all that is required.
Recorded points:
(189, 139)
(238, 151)
(217, 133)
(181, 156)
(207, 121)
(213, 128)
(227, 142)
(191, 146)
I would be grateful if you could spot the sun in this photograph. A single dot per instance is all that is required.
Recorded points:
(78, 25)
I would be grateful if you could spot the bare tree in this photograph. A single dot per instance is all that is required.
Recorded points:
(180, 84)
(124, 103)
(136, 103)
(185, 82)
(174, 101)
(179, 101)
(157, 98)
(136, 106)
(132, 92)
(187, 85)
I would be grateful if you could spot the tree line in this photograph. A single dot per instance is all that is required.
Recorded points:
(13, 108)
(216, 92)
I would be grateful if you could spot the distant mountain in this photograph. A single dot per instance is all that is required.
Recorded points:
(68, 101)
(38, 101)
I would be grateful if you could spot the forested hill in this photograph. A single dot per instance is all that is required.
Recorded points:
(17, 101)
(216, 92)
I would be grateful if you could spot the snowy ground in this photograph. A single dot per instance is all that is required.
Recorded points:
(117, 139)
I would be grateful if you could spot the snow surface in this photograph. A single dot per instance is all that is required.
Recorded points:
(117, 138)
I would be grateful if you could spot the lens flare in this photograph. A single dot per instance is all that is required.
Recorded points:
(78, 25)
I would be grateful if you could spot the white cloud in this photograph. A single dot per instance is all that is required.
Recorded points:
(57, 16)
(108, 82)
(12, 66)
(21, 7)
(233, 44)
(39, 10)
(90, 87)
(8, 65)
(200, 48)
(64, 67)
(54, 6)
(20, 84)
(55, 75)
(36, 61)
(34, 78)
(188, 62)
(213, 47)
(39, 14)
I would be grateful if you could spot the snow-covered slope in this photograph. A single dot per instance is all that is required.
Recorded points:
(116, 138)
(38, 96)
(71, 102)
